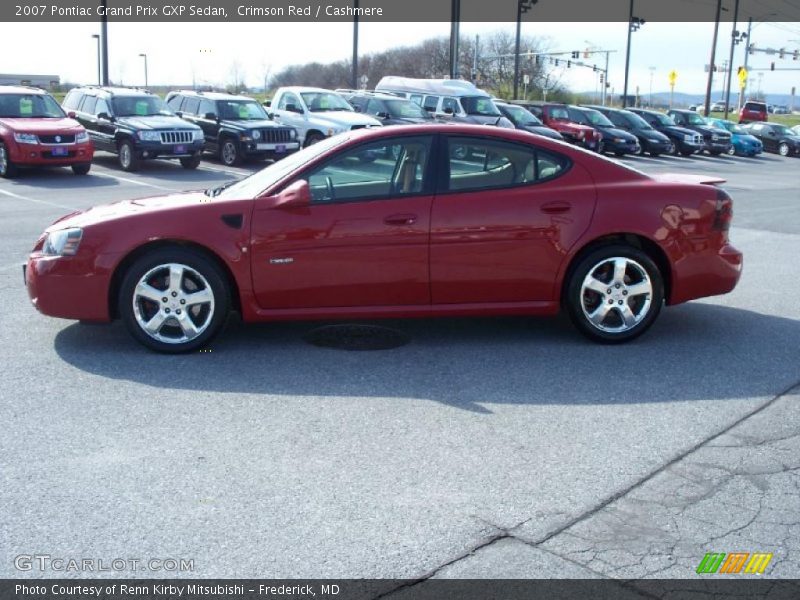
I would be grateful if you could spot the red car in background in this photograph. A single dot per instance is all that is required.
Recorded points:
(556, 116)
(753, 111)
(35, 131)
(387, 222)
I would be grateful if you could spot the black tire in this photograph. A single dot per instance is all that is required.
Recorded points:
(783, 149)
(198, 273)
(732, 150)
(715, 152)
(229, 152)
(81, 169)
(8, 169)
(128, 159)
(191, 162)
(655, 154)
(643, 308)
(686, 152)
(675, 149)
(313, 138)
(619, 154)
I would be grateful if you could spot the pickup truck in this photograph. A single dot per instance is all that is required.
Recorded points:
(316, 113)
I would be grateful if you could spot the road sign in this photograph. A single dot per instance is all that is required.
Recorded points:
(742, 75)
(673, 77)
(526, 79)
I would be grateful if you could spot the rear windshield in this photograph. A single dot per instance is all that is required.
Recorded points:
(32, 106)
(755, 106)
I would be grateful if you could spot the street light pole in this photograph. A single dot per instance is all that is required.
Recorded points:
(104, 40)
(455, 18)
(734, 41)
(633, 25)
(144, 56)
(354, 78)
(99, 75)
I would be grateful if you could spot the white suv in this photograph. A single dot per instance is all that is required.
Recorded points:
(316, 113)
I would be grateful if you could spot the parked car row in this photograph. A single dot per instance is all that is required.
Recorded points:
(137, 125)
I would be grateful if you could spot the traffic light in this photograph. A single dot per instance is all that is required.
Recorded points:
(569, 64)
(751, 48)
(602, 77)
(538, 60)
(555, 62)
(576, 54)
(782, 53)
(772, 66)
(586, 53)
(795, 54)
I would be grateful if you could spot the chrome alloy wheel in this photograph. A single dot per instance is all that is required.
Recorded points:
(616, 294)
(229, 153)
(173, 303)
(125, 156)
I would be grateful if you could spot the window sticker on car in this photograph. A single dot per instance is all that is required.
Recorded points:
(25, 107)
(141, 108)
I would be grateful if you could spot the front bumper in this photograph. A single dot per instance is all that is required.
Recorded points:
(148, 150)
(655, 146)
(687, 147)
(69, 287)
(50, 154)
(716, 147)
(269, 150)
(625, 147)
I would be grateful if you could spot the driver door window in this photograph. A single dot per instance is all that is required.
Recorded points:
(387, 169)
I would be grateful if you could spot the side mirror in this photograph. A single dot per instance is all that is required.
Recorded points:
(267, 103)
(71, 114)
(296, 195)
(430, 109)
(448, 111)
(104, 115)
(179, 113)
(210, 116)
(382, 115)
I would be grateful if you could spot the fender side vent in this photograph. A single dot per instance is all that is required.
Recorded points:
(233, 221)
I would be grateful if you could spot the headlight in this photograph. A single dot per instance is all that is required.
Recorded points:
(63, 242)
(81, 137)
(579, 135)
(293, 133)
(255, 134)
(149, 136)
(619, 140)
(197, 134)
(26, 138)
(688, 138)
(714, 137)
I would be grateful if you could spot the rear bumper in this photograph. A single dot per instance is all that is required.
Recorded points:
(706, 273)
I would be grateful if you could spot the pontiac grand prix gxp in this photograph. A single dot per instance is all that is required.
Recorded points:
(393, 222)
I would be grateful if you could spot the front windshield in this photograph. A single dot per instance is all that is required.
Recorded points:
(597, 118)
(664, 119)
(732, 127)
(480, 106)
(578, 116)
(521, 117)
(695, 119)
(558, 112)
(782, 129)
(405, 109)
(139, 106)
(252, 186)
(244, 110)
(325, 101)
(29, 106)
(637, 121)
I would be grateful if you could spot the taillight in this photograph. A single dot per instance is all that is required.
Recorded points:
(723, 214)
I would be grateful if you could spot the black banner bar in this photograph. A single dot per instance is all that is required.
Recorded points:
(716, 587)
(270, 11)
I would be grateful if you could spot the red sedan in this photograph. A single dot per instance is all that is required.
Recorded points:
(392, 222)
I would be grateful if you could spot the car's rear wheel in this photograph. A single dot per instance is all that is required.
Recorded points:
(614, 294)
(174, 300)
(313, 138)
(81, 169)
(7, 168)
(128, 159)
(229, 152)
(191, 162)
(732, 150)
(783, 149)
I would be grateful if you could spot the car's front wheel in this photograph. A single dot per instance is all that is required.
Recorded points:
(191, 162)
(7, 168)
(732, 151)
(174, 300)
(82, 168)
(783, 149)
(614, 294)
(229, 152)
(128, 159)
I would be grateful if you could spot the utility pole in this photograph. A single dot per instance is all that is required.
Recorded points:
(734, 41)
(104, 41)
(354, 78)
(634, 23)
(706, 108)
(475, 58)
(455, 17)
(743, 93)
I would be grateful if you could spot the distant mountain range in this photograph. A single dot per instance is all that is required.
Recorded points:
(681, 99)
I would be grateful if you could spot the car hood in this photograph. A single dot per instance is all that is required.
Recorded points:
(156, 122)
(42, 125)
(745, 138)
(653, 134)
(244, 124)
(126, 208)
(337, 118)
(544, 131)
(678, 130)
(614, 132)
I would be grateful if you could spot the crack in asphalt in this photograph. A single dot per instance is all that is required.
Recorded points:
(695, 474)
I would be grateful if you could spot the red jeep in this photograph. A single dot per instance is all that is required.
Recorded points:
(556, 116)
(35, 131)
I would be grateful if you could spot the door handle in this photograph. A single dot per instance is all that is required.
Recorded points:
(404, 219)
(557, 207)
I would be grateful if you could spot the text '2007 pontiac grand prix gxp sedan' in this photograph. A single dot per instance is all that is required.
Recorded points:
(394, 222)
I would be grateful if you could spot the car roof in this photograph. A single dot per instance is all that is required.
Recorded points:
(456, 88)
(22, 89)
(209, 95)
(114, 91)
(376, 95)
(300, 88)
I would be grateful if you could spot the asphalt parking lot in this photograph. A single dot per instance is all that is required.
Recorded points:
(482, 448)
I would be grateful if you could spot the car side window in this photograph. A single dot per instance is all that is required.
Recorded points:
(381, 170)
(479, 164)
(206, 106)
(89, 102)
(191, 106)
(430, 103)
(374, 107)
(73, 100)
(617, 120)
(102, 107)
(288, 99)
(450, 103)
(416, 99)
(175, 102)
